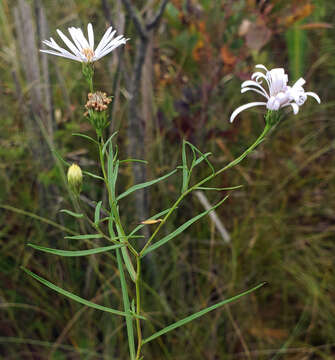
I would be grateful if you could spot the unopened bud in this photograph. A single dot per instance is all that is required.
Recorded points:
(75, 178)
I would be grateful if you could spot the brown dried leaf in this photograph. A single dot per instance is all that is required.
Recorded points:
(150, 222)
(227, 56)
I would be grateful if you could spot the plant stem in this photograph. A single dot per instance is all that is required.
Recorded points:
(138, 307)
(209, 177)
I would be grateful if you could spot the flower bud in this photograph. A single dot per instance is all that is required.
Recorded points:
(75, 178)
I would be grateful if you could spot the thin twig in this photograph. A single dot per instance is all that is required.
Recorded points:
(157, 17)
(138, 22)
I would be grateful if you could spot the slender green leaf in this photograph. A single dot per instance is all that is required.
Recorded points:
(144, 185)
(126, 257)
(97, 213)
(181, 228)
(219, 189)
(85, 137)
(199, 314)
(133, 160)
(60, 158)
(72, 296)
(83, 237)
(110, 168)
(157, 216)
(93, 175)
(185, 168)
(115, 175)
(202, 156)
(77, 252)
(71, 213)
(126, 306)
(107, 142)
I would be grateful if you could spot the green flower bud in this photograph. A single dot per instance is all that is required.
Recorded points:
(75, 178)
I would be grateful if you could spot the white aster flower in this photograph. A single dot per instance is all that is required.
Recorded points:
(81, 49)
(279, 95)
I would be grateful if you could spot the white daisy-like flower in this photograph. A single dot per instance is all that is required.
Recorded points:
(279, 95)
(82, 50)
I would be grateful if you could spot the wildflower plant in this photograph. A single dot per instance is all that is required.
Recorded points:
(117, 234)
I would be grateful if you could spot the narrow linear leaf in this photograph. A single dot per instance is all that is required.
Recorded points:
(71, 213)
(139, 227)
(60, 158)
(75, 253)
(72, 296)
(133, 160)
(144, 185)
(107, 142)
(185, 168)
(85, 137)
(219, 189)
(110, 166)
(126, 306)
(202, 156)
(199, 314)
(181, 228)
(83, 237)
(97, 213)
(93, 175)
(126, 257)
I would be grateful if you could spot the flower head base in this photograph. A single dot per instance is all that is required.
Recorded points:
(279, 95)
(81, 49)
(96, 106)
(98, 101)
(75, 178)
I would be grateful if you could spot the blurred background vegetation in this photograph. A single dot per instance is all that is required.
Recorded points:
(280, 224)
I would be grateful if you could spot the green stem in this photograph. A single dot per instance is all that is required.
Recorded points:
(125, 297)
(210, 177)
(138, 308)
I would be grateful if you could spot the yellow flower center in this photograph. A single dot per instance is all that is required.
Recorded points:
(88, 53)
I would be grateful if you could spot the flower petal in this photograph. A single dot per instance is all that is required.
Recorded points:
(245, 89)
(314, 95)
(295, 107)
(69, 43)
(260, 66)
(244, 107)
(90, 35)
(108, 34)
(68, 55)
(299, 83)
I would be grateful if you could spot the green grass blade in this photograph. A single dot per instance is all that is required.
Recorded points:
(181, 228)
(71, 213)
(297, 45)
(57, 155)
(97, 213)
(83, 237)
(199, 314)
(185, 168)
(126, 305)
(72, 296)
(76, 252)
(93, 175)
(144, 185)
(85, 137)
